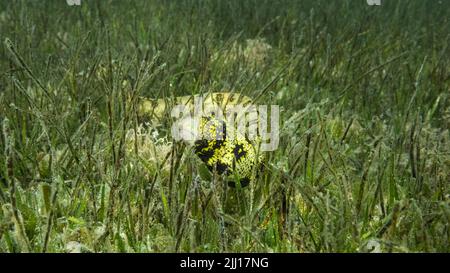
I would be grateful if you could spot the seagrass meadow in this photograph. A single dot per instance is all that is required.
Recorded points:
(363, 162)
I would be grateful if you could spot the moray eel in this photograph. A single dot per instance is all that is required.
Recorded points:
(220, 145)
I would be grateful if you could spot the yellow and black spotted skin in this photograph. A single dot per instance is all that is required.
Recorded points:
(236, 157)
